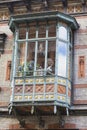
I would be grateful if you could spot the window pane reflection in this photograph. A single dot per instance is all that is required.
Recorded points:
(32, 31)
(52, 29)
(20, 59)
(22, 31)
(40, 58)
(62, 54)
(30, 59)
(42, 30)
(51, 58)
(62, 33)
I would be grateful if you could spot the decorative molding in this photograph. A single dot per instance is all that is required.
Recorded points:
(80, 86)
(68, 126)
(4, 15)
(80, 47)
(17, 126)
(4, 104)
(9, 51)
(21, 7)
(5, 89)
(80, 102)
(82, 31)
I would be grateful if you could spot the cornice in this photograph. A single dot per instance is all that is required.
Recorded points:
(44, 16)
(10, 7)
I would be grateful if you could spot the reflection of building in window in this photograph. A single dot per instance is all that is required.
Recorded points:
(41, 49)
(21, 52)
(50, 55)
(62, 54)
(41, 54)
(8, 71)
(81, 71)
(50, 64)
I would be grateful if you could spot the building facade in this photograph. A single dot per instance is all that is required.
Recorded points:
(43, 59)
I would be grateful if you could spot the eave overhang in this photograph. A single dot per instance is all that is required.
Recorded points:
(43, 16)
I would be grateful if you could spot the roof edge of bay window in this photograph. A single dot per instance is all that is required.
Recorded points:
(29, 17)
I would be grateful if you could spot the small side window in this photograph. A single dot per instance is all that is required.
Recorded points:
(8, 71)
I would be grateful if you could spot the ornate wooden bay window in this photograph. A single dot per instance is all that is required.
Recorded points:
(42, 63)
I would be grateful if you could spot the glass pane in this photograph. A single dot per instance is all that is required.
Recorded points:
(32, 31)
(42, 30)
(40, 58)
(20, 59)
(51, 58)
(30, 59)
(22, 31)
(62, 54)
(63, 33)
(52, 29)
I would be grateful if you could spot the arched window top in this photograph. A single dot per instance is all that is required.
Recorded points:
(62, 33)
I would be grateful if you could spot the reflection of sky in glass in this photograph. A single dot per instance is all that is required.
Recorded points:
(63, 33)
(62, 52)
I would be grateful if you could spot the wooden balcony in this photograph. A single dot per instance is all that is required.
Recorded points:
(45, 92)
(42, 92)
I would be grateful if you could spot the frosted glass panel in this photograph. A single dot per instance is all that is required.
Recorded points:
(62, 33)
(62, 54)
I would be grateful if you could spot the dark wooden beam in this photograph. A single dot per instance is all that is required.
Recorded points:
(28, 4)
(83, 2)
(9, 1)
(64, 2)
(45, 4)
(10, 7)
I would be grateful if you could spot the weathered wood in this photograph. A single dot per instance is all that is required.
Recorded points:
(28, 5)
(10, 8)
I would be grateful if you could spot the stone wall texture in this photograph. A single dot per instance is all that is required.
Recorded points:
(80, 49)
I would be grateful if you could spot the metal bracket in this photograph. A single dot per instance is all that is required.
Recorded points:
(67, 111)
(61, 122)
(41, 122)
(10, 108)
(21, 120)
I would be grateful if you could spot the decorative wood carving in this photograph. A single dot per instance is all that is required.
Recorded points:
(21, 7)
(81, 71)
(8, 70)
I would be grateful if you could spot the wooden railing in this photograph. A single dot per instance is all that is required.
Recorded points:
(42, 89)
